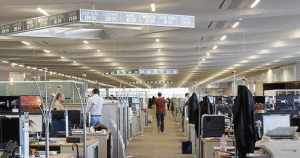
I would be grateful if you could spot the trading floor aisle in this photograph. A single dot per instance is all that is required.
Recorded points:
(158, 145)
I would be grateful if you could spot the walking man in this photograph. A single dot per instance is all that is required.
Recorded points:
(161, 108)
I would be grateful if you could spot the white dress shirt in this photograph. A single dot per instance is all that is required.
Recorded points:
(182, 102)
(94, 105)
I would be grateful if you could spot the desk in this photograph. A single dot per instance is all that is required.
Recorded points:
(229, 154)
(105, 148)
(62, 156)
(91, 148)
(207, 145)
(40, 146)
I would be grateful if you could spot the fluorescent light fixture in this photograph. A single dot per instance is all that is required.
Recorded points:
(152, 7)
(5, 62)
(26, 43)
(42, 11)
(21, 65)
(11, 79)
(223, 38)
(203, 59)
(215, 47)
(235, 24)
(62, 57)
(157, 40)
(159, 50)
(54, 73)
(196, 67)
(34, 68)
(208, 54)
(254, 3)
(46, 51)
(86, 42)
(14, 64)
(28, 67)
(74, 62)
(40, 69)
(98, 50)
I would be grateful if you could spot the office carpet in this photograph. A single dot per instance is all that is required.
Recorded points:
(158, 145)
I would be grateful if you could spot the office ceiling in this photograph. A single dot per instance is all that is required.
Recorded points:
(267, 36)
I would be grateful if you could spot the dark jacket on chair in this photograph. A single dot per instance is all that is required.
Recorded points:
(192, 105)
(205, 108)
(244, 122)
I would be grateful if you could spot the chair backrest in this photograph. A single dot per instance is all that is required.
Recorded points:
(58, 126)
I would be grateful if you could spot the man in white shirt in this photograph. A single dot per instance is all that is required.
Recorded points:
(183, 103)
(94, 106)
(60, 98)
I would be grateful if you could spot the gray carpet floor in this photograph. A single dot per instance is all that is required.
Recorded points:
(158, 145)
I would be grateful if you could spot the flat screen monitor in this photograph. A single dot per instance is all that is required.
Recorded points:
(75, 117)
(35, 123)
(10, 129)
(58, 114)
(273, 121)
(30, 104)
(135, 100)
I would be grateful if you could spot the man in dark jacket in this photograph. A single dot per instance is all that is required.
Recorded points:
(244, 122)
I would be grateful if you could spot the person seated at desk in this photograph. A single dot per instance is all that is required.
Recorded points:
(60, 98)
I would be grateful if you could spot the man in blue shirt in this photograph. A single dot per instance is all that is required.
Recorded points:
(183, 103)
(94, 106)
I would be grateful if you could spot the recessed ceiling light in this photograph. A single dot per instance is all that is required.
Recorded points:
(98, 50)
(62, 57)
(14, 64)
(42, 11)
(5, 62)
(54, 73)
(74, 62)
(208, 54)
(235, 24)
(86, 42)
(223, 38)
(240, 19)
(254, 3)
(215, 47)
(28, 67)
(46, 51)
(26, 43)
(159, 50)
(40, 70)
(21, 65)
(157, 40)
(203, 59)
(153, 7)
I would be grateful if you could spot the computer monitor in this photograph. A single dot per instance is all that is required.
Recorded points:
(74, 117)
(30, 104)
(35, 123)
(10, 129)
(58, 114)
(273, 121)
